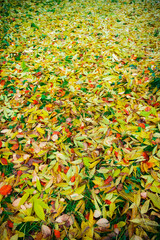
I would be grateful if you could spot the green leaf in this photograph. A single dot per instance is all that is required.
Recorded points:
(23, 65)
(34, 25)
(42, 204)
(23, 199)
(38, 185)
(86, 161)
(39, 210)
(145, 114)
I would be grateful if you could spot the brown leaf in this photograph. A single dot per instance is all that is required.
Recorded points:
(46, 231)
(39, 236)
(103, 222)
(16, 202)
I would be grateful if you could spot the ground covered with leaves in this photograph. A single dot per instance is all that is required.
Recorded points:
(79, 121)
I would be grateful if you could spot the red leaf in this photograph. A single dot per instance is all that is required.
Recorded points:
(59, 168)
(108, 202)
(35, 102)
(156, 104)
(104, 99)
(116, 154)
(10, 224)
(73, 179)
(19, 173)
(57, 233)
(142, 125)
(4, 161)
(66, 169)
(55, 132)
(108, 180)
(0, 144)
(6, 189)
(87, 216)
(42, 183)
(126, 112)
(125, 160)
(145, 155)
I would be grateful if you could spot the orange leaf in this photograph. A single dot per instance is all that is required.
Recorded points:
(57, 233)
(142, 125)
(149, 164)
(2, 82)
(15, 146)
(69, 134)
(6, 189)
(59, 168)
(147, 109)
(54, 119)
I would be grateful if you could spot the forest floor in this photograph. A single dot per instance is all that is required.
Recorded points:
(79, 122)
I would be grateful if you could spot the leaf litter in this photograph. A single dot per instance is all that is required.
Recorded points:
(80, 132)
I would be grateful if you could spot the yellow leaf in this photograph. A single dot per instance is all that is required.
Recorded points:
(82, 208)
(94, 164)
(155, 199)
(76, 196)
(80, 189)
(91, 222)
(39, 210)
(125, 208)
(14, 237)
(145, 207)
(23, 199)
(145, 221)
(40, 130)
(38, 185)
(67, 192)
(61, 184)
(30, 219)
(116, 173)
(79, 204)
(135, 237)
(121, 224)
(112, 207)
(59, 211)
(137, 198)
